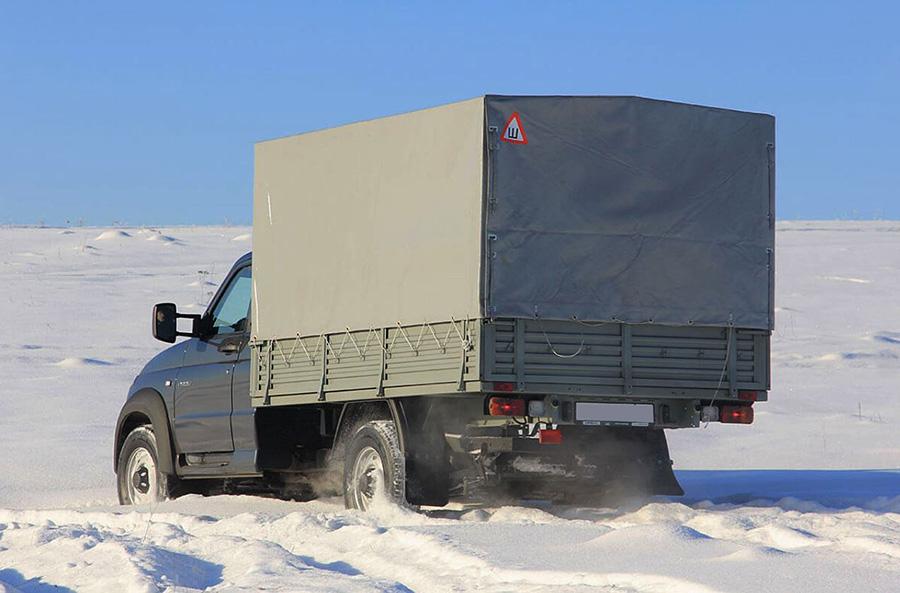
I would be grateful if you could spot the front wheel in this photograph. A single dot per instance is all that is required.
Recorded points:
(139, 479)
(374, 466)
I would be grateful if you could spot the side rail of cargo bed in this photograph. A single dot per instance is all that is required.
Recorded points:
(403, 360)
(625, 360)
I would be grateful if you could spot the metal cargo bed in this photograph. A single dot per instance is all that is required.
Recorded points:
(607, 360)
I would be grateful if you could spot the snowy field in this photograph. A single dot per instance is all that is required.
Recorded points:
(805, 499)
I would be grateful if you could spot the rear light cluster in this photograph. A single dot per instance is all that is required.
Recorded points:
(736, 414)
(511, 406)
(741, 414)
(506, 406)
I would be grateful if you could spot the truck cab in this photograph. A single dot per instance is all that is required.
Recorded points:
(195, 394)
(188, 426)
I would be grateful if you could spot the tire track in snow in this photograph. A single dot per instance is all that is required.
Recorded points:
(318, 547)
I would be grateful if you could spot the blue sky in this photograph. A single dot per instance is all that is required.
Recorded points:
(146, 113)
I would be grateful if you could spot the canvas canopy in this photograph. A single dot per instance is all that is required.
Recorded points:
(369, 224)
(622, 208)
(597, 208)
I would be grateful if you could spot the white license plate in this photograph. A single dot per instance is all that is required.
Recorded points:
(601, 413)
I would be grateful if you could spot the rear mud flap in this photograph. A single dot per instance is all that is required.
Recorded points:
(664, 481)
(598, 462)
(666, 484)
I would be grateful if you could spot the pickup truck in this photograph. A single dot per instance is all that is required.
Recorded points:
(512, 295)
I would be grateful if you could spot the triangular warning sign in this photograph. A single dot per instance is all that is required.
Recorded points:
(513, 132)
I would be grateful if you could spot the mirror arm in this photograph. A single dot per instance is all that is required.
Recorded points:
(195, 328)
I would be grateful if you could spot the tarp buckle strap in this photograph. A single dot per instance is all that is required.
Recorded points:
(466, 345)
(348, 337)
(267, 398)
(427, 329)
(493, 132)
(325, 348)
(328, 348)
(383, 340)
(277, 346)
(365, 347)
(310, 357)
(406, 338)
(427, 326)
(443, 347)
(297, 340)
(361, 353)
(465, 341)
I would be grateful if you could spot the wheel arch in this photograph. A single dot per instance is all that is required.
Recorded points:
(146, 407)
(355, 413)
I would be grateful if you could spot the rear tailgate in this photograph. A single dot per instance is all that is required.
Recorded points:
(635, 361)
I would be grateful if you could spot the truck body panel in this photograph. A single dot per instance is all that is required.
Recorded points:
(608, 360)
(620, 248)
(630, 209)
(369, 224)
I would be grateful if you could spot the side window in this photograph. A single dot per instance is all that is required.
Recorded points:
(230, 313)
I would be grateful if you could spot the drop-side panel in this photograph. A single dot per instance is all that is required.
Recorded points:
(618, 359)
(429, 358)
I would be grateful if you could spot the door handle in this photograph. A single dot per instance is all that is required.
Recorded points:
(229, 346)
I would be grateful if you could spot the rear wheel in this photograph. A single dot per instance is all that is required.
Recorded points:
(139, 479)
(374, 466)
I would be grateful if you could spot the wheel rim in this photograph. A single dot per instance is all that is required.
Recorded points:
(140, 477)
(367, 478)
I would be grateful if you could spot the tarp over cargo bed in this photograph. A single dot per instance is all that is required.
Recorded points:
(622, 208)
(602, 208)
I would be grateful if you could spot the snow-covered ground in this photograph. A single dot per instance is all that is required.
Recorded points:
(805, 499)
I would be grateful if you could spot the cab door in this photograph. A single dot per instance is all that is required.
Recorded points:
(203, 402)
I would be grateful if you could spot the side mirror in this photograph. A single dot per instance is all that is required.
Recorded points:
(165, 323)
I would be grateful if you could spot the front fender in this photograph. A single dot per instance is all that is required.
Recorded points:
(146, 404)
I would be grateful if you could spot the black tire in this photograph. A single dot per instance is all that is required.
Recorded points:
(374, 443)
(138, 479)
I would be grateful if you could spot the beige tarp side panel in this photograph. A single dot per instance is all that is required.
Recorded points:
(369, 224)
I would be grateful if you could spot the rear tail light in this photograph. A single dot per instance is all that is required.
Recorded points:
(504, 386)
(747, 396)
(504, 406)
(547, 436)
(736, 414)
